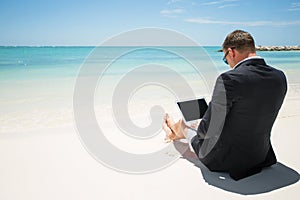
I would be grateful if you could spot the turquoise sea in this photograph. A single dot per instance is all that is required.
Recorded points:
(37, 83)
(28, 63)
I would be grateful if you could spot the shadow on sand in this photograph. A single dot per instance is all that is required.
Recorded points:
(271, 178)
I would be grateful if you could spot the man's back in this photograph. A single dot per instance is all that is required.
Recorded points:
(254, 94)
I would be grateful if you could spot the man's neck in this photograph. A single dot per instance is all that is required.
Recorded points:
(243, 56)
(250, 56)
(247, 55)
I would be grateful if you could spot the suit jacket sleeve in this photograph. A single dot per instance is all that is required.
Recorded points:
(211, 125)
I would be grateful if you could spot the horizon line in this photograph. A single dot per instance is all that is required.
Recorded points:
(53, 46)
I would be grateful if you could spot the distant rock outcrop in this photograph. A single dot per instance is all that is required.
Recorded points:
(275, 48)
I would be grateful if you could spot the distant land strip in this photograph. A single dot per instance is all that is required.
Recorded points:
(275, 48)
(278, 48)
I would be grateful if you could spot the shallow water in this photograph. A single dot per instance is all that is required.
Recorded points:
(37, 83)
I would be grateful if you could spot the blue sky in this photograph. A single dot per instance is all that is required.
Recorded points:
(89, 22)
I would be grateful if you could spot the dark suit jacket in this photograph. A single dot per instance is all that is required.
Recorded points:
(234, 134)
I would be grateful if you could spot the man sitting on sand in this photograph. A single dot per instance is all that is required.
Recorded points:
(234, 134)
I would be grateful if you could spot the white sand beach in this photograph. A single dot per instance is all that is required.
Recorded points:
(50, 162)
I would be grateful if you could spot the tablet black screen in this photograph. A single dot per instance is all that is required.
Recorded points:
(193, 109)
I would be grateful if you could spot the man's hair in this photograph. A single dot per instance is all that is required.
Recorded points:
(240, 40)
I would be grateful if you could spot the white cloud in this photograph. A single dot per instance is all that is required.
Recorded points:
(295, 7)
(172, 13)
(242, 23)
(218, 2)
(228, 5)
(210, 3)
(173, 1)
(221, 3)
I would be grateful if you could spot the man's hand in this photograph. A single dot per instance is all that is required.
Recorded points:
(174, 131)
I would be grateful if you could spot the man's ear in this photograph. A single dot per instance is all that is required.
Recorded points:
(232, 53)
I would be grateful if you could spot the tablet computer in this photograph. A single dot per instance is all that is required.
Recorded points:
(192, 110)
